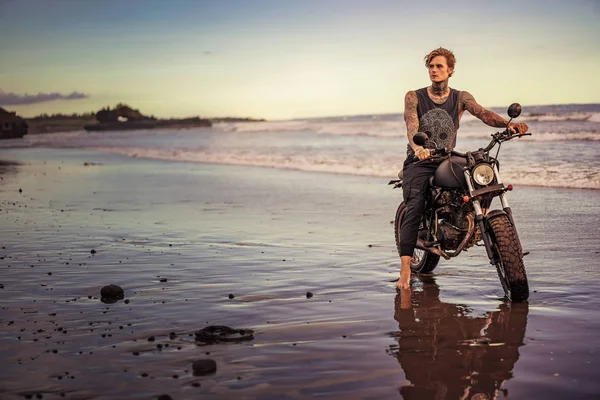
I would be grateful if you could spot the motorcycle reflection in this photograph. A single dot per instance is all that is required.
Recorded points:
(447, 354)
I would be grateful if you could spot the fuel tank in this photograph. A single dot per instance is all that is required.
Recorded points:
(450, 173)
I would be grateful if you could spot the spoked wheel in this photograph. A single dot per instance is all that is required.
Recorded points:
(422, 261)
(510, 267)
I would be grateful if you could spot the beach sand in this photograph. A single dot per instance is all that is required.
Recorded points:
(268, 237)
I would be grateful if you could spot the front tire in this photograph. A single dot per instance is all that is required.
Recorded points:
(422, 262)
(509, 265)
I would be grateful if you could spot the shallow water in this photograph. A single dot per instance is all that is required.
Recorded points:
(561, 152)
(268, 237)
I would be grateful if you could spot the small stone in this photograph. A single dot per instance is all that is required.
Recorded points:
(309, 295)
(151, 339)
(163, 279)
(221, 333)
(111, 293)
(204, 367)
(93, 251)
(164, 397)
(231, 296)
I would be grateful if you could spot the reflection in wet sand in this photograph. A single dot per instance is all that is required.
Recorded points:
(448, 354)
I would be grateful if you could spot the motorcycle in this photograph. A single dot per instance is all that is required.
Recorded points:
(457, 215)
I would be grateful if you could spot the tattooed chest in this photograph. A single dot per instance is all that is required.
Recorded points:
(438, 99)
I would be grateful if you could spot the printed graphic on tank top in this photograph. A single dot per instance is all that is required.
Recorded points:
(440, 121)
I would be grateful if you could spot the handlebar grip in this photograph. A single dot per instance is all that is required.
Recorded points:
(432, 153)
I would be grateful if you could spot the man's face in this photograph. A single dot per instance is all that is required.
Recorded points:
(438, 69)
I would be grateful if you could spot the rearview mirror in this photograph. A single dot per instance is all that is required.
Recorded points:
(420, 138)
(514, 110)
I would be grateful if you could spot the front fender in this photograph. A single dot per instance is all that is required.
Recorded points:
(492, 215)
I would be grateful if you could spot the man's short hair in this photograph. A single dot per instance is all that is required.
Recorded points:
(440, 51)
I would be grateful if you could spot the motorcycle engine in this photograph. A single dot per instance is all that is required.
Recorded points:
(452, 222)
(449, 236)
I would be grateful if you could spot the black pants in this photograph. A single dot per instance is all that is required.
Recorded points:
(414, 189)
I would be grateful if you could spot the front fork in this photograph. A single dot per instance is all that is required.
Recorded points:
(480, 217)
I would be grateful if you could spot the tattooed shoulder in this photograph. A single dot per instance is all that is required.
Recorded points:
(467, 102)
(410, 100)
(465, 97)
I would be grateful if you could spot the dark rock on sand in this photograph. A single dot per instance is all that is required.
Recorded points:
(92, 251)
(231, 296)
(164, 397)
(220, 333)
(111, 293)
(204, 367)
(309, 295)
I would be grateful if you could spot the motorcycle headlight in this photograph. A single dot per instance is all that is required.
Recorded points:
(483, 174)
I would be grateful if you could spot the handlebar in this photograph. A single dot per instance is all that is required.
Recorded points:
(498, 137)
(441, 152)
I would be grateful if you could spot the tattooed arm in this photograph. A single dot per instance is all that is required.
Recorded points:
(467, 102)
(411, 117)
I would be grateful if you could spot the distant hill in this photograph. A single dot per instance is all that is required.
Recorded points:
(121, 117)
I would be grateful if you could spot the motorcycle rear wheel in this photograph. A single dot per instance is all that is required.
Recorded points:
(422, 261)
(510, 267)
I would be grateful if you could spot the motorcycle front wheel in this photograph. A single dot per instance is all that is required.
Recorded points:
(422, 261)
(509, 264)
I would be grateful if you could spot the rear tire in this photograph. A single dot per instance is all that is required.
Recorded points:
(422, 261)
(510, 267)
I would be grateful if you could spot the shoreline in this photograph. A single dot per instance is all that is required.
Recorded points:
(384, 179)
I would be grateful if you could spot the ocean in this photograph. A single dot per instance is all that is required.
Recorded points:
(563, 151)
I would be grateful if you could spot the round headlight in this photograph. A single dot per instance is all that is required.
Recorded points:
(483, 174)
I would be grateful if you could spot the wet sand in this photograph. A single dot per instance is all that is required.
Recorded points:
(268, 237)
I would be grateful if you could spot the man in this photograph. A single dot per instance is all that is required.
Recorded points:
(435, 109)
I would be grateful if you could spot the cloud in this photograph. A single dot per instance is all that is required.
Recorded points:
(13, 99)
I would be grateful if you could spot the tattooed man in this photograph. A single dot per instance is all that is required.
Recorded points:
(437, 110)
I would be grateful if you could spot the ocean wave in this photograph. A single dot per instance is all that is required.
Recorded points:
(351, 128)
(392, 128)
(563, 176)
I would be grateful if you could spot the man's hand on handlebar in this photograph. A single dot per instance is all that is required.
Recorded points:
(422, 153)
(518, 128)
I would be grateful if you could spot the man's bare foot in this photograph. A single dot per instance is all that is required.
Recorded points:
(404, 281)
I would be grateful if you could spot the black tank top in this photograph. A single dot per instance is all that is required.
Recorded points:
(439, 120)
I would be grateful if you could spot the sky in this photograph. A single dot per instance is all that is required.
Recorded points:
(285, 59)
